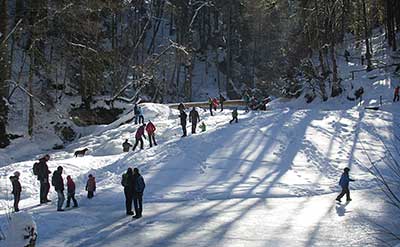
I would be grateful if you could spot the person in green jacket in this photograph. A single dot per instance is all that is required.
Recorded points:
(234, 116)
(203, 127)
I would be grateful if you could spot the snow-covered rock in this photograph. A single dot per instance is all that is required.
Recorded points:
(21, 231)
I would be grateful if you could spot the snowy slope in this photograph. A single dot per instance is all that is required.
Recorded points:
(269, 180)
(277, 170)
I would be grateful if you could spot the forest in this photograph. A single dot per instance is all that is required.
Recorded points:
(175, 50)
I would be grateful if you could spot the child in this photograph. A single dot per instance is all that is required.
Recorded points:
(203, 127)
(16, 189)
(91, 186)
(126, 146)
(71, 192)
(344, 183)
(234, 116)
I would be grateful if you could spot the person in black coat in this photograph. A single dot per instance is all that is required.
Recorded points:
(136, 112)
(138, 185)
(128, 184)
(183, 117)
(194, 118)
(221, 101)
(58, 183)
(181, 107)
(43, 177)
(16, 189)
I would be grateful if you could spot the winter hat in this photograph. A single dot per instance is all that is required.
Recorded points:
(69, 177)
(17, 174)
(90, 175)
(59, 168)
(346, 169)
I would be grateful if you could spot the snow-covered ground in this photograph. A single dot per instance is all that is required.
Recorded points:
(269, 180)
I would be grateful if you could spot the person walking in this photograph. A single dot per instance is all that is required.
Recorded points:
(41, 170)
(138, 136)
(16, 190)
(194, 118)
(58, 183)
(150, 129)
(183, 118)
(139, 186)
(127, 183)
(91, 186)
(344, 183)
(126, 146)
(136, 112)
(181, 107)
(396, 94)
(234, 116)
(71, 192)
(210, 105)
(215, 103)
(141, 116)
(221, 101)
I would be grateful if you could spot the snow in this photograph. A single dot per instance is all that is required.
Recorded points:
(277, 170)
(20, 229)
(269, 180)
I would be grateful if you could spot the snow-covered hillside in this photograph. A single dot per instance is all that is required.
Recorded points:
(272, 175)
(269, 180)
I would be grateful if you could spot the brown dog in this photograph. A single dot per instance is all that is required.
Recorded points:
(80, 152)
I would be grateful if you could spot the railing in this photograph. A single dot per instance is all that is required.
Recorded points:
(237, 102)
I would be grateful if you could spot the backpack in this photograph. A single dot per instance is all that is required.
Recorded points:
(53, 181)
(36, 169)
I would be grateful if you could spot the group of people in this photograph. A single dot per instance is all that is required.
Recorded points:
(214, 102)
(194, 118)
(139, 117)
(134, 186)
(41, 170)
(150, 128)
(252, 103)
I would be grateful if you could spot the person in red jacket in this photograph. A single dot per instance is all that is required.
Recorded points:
(71, 192)
(396, 94)
(215, 103)
(138, 136)
(150, 128)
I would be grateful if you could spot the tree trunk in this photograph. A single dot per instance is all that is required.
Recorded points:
(229, 88)
(367, 45)
(4, 75)
(336, 89)
(31, 115)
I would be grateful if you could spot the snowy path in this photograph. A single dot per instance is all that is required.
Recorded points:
(305, 221)
(270, 180)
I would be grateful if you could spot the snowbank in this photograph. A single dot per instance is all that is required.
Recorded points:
(20, 231)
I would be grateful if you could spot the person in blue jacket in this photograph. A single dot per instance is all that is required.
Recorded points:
(138, 188)
(344, 183)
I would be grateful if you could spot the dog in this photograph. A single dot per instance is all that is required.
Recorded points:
(80, 152)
